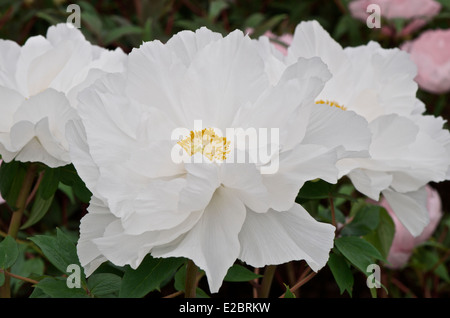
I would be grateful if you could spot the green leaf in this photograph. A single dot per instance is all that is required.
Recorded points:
(44, 197)
(68, 176)
(399, 24)
(147, 30)
(9, 251)
(288, 293)
(315, 190)
(365, 221)
(49, 183)
(216, 7)
(238, 273)
(12, 175)
(149, 276)
(341, 272)
(57, 288)
(2, 278)
(200, 293)
(445, 3)
(59, 250)
(180, 278)
(27, 268)
(40, 207)
(119, 32)
(104, 284)
(325, 215)
(383, 235)
(254, 20)
(358, 251)
(68, 191)
(269, 24)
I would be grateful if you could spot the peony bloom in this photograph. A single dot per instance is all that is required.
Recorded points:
(404, 243)
(38, 86)
(408, 150)
(417, 12)
(431, 53)
(206, 208)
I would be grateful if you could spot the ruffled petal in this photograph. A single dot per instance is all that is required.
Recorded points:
(213, 242)
(279, 237)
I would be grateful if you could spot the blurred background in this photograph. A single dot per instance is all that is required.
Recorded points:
(420, 27)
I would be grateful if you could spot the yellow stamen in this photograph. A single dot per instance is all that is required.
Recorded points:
(331, 103)
(207, 143)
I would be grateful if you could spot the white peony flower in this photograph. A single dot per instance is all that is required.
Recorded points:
(408, 149)
(209, 209)
(38, 86)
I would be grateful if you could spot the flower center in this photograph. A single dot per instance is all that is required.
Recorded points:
(207, 143)
(331, 103)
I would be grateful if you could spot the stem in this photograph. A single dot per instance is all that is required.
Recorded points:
(175, 294)
(301, 282)
(341, 6)
(21, 201)
(255, 283)
(402, 287)
(16, 219)
(191, 280)
(269, 272)
(333, 212)
(25, 279)
(35, 188)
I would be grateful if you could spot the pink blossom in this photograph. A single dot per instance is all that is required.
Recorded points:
(280, 42)
(418, 12)
(404, 243)
(431, 53)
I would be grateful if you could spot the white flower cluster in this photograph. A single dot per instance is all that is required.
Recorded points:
(339, 112)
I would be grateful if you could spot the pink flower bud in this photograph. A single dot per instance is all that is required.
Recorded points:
(416, 11)
(404, 243)
(280, 42)
(431, 53)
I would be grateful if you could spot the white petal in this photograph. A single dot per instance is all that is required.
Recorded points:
(110, 119)
(212, 91)
(213, 242)
(202, 180)
(303, 163)
(80, 156)
(310, 40)
(369, 182)
(392, 135)
(34, 47)
(410, 208)
(273, 59)
(279, 237)
(11, 101)
(155, 208)
(186, 44)
(287, 105)
(333, 127)
(93, 226)
(246, 182)
(154, 79)
(125, 249)
(9, 54)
